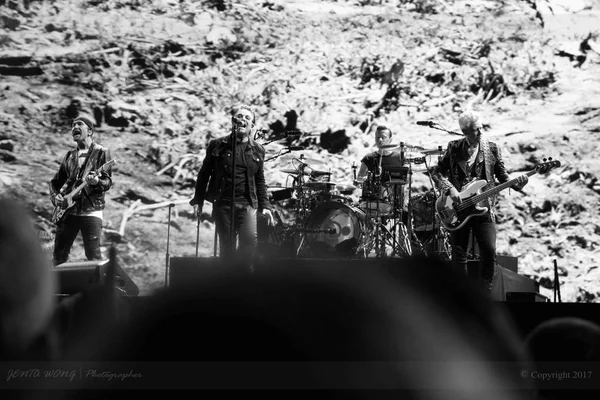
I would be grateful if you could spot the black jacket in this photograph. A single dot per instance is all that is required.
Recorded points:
(451, 170)
(69, 176)
(218, 162)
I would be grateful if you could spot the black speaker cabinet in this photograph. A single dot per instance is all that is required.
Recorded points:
(75, 277)
(508, 262)
(183, 271)
(525, 297)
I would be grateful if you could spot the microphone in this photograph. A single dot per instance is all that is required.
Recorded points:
(425, 123)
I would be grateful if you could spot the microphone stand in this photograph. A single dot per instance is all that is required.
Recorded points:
(232, 244)
(556, 283)
(168, 239)
(435, 125)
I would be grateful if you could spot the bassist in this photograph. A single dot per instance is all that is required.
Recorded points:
(465, 160)
(81, 165)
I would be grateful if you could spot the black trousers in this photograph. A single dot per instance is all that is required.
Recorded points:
(66, 232)
(245, 230)
(483, 229)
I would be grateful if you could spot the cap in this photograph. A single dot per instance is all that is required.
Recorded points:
(85, 120)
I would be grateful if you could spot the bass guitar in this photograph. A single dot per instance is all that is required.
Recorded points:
(455, 216)
(68, 200)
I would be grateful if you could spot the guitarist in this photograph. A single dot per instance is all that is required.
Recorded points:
(81, 164)
(465, 160)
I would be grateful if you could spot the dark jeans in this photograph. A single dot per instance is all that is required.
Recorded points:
(484, 231)
(66, 232)
(244, 228)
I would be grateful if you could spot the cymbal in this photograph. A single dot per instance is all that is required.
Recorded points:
(276, 188)
(412, 157)
(292, 171)
(396, 145)
(346, 188)
(306, 160)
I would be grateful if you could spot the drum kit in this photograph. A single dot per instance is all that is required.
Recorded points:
(376, 217)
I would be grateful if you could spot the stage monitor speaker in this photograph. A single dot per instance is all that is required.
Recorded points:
(507, 281)
(508, 262)
(75, 277)
(183, 271)
(525, 297)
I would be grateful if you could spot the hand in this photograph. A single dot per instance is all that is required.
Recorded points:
(455, 196)
(521, 182)
(59, 200)
(92, 179)
(197, 210)
(267, 213)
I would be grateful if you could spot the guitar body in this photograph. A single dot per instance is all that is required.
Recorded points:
(59, 212)
(453, 219)
(455, 216)
(68, 200)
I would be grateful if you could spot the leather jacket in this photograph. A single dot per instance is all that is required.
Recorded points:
(451, 170)
(218, 162)
(69, 175)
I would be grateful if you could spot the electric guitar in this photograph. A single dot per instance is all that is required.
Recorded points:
(68, 200)
(455, 216)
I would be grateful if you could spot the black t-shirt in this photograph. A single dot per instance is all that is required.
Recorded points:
(242, 188)
(371, 160)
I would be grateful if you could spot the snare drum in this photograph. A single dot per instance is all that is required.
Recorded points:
(335, 228)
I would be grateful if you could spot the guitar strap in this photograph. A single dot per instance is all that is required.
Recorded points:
(86, 167)
(487, 159)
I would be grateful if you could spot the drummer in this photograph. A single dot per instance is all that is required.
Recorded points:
(370, 162)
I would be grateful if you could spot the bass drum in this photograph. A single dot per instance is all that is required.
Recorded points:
(334, 229)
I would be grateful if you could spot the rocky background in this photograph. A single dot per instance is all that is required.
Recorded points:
(160, 77)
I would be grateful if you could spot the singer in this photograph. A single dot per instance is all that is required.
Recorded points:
(244, 188)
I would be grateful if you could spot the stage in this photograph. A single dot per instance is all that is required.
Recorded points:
(517, 295)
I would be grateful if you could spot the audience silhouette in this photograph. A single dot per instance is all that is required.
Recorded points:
(27, 288)
(387, 325)
(566, 344)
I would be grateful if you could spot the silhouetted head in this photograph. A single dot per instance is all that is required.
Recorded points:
(565, 339)
(383, 325)
(27, 287)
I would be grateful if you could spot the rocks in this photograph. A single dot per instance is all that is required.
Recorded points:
(7, 145)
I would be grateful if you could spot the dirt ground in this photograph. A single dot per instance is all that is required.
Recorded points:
(160, 77)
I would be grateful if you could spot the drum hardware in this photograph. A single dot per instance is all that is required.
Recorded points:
(333, 228)
(346, 189)
(316, 185)
(330, 231)
(327, 223)
(280, 193)
(293, 171)
(433, 152)
(302, 159)
(317, 174)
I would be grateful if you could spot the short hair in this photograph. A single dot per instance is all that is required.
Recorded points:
(382, 128)
(244, 107)
(468, 119)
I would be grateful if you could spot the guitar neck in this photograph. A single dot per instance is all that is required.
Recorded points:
(497, 189)
(77, 190)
